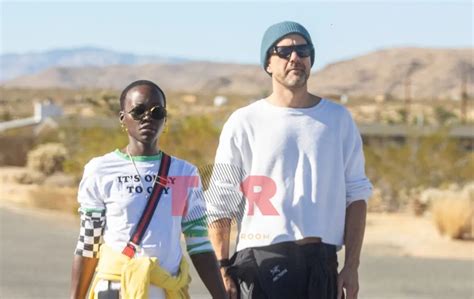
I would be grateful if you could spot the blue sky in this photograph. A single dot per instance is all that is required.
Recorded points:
(231, 31)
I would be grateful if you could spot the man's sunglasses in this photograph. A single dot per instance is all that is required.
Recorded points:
(285, 51)
(156, 112)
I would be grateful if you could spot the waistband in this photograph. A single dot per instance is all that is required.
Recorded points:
(319, 249)
(315, 249)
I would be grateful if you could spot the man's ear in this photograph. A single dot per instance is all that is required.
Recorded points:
(269, 69)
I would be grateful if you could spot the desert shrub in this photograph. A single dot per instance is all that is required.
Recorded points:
(193, 138)
(105, 103)
(443, 116)
(454, 216)
(86, 143)
(47, 158)
(419, 163)
(29, 177)
(402, 115)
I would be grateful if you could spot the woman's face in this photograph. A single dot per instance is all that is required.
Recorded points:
(144, 129)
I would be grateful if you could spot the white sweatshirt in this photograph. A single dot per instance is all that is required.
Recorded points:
(304, 166)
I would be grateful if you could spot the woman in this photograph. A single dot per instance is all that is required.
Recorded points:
(113, 194)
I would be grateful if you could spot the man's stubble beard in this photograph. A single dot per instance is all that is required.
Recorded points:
(291, 81)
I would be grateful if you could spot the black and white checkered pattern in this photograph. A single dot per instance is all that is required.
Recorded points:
(91, 232)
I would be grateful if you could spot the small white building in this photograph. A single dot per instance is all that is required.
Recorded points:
(44, 110)
(220, 101)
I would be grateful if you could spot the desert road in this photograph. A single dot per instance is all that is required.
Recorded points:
(37, 247)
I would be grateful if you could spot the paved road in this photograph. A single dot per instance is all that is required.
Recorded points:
(36, 252)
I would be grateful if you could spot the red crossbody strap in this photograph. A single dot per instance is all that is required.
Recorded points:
(150, 208)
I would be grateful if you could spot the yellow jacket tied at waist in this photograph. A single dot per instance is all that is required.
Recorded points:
(136, 274)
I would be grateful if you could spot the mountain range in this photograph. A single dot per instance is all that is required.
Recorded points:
(15, 65)
(419, 73)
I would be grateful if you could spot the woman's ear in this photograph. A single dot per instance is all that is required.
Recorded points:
(121, 115)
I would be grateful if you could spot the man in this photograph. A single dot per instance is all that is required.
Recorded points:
(299, 164)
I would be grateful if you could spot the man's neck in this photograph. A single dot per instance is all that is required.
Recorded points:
(292, 98)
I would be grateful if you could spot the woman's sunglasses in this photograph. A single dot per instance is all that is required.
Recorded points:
(285, 51)
(156, 112)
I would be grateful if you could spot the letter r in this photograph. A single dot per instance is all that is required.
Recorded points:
(259, 190)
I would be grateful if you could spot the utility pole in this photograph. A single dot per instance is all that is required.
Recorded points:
(463, 97)
(407, 98)
(412, 68)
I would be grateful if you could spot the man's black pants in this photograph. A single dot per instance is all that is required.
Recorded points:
(286, 270)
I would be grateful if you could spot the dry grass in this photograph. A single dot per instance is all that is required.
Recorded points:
(60, 199)
(454, 217)
(47, 158)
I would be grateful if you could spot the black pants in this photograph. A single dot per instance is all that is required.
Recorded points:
(286, 270)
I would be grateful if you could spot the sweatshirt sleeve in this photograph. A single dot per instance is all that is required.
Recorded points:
(223, 196)
(358, 186)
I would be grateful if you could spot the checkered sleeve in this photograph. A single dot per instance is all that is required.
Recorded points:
(91, 232)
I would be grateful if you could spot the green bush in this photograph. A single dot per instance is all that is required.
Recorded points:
(420, 162)
(193, 138)
(84, 144)
(443, 116)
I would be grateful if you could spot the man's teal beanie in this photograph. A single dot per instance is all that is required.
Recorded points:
(276, 32)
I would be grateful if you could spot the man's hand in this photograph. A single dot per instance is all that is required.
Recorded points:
(229, 284)
(219, 234)
(348, 279)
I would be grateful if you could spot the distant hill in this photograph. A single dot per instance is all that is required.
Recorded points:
(15, 65)
(186, 77)
(422, 73)
(425, 73)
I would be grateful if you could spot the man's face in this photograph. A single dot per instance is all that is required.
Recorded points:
(294, 71)
(145, 129)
